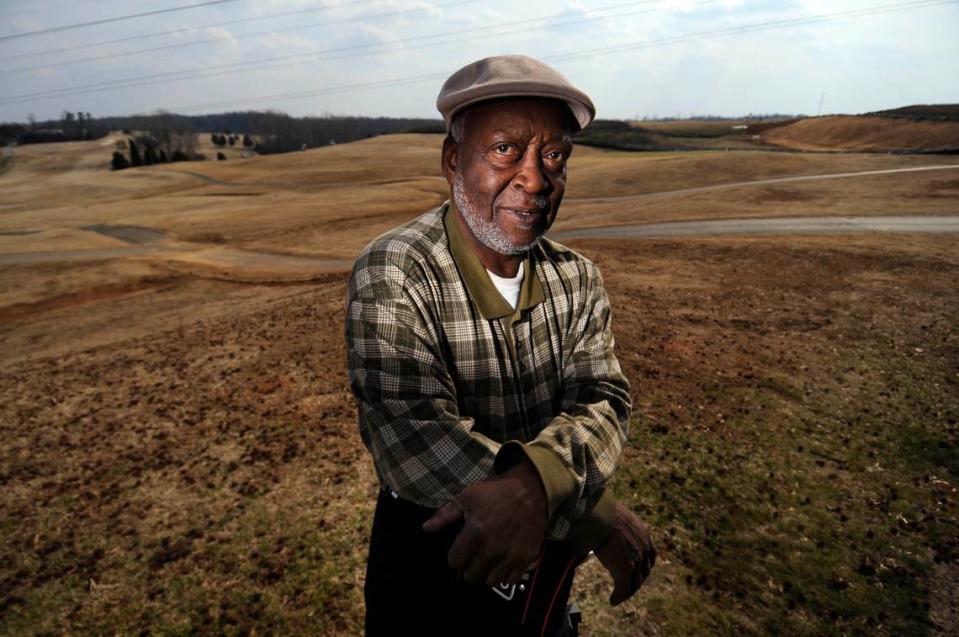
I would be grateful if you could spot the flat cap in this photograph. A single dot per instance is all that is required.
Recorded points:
(510, 76)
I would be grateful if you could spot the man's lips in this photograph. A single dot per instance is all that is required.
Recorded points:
(525, 213)
(526, 219)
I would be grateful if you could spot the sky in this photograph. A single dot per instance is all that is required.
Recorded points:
(648, 58)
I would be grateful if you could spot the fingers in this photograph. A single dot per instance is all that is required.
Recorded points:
(641, 572)
(448, 514)
(493, 569)
(500, 574)
(644, 565)
(649, 562)
(464, 548)
(639, 576)
(514, 576)
(626, 586)
(481, 569)
(622, 588)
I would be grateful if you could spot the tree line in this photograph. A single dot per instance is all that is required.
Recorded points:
(148, 149)
(277, 132)
(72, 126)
(270, 131)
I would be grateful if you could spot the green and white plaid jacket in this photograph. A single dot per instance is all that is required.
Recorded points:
(453, 385)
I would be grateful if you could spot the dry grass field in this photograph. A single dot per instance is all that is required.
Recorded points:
(180, 450)
(865, 134)
(907, 130)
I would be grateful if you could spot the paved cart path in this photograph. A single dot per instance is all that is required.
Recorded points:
(780, 225)
(758, 182)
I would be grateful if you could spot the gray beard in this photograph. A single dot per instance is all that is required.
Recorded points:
(485, 230)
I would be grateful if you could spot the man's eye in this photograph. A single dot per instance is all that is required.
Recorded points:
(504, 149)
(556, 155)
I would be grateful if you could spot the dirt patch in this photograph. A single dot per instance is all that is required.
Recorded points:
(130, 234)
(25, 311)
(206, 237)
(944, 184)
(946, 189)
(781, 195)
(762, 127)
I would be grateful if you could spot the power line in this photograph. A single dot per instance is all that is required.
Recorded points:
(778, 24)
(34, 11)
(80, 25)
(241, 36)
(344, 88)
(761, 26)
(703, 35)
(282, 61)
(144, 36)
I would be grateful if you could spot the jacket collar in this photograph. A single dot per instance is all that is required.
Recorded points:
(490, 302)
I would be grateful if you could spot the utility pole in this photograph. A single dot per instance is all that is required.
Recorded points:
(821, 98)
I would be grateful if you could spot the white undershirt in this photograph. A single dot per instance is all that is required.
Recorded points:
(509, 288)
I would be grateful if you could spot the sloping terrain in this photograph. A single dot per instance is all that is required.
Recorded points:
(910, 129)
(866, 134)
(180, 449)
(943, 112)
(187, 461)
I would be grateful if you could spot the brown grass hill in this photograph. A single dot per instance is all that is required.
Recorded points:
(940, 112)
(853, 133)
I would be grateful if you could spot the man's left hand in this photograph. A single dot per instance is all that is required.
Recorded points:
(504, 524)
(628, 554)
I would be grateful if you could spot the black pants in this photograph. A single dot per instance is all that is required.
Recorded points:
(410, 589)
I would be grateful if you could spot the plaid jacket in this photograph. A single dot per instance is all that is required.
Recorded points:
(452, 384)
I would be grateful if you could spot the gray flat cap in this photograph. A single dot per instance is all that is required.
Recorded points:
(510, 76)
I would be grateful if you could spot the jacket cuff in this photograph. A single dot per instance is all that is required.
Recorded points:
(592, 529)
(558, 482)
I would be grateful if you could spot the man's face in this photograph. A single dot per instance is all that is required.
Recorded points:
(508, 174)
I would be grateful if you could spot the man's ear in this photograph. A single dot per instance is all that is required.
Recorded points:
(449, 158)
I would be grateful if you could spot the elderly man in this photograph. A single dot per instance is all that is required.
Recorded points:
(481, 358)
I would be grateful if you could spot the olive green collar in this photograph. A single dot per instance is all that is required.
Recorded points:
(491, 303)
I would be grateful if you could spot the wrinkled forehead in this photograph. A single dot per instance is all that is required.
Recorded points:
(524, 117)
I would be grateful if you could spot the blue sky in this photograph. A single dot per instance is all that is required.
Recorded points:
(365, 57)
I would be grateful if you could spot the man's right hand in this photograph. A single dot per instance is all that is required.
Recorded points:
(627, 554)
(504, 524)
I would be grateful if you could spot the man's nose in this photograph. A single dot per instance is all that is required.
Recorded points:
(531, 177)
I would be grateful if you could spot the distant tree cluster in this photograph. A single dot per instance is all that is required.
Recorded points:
(72, 126)
(282, 133)
(166, 138)
(226, 138)
(223, 139)
(614, 133)
(119, 161)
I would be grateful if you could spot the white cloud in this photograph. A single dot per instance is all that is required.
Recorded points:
(860, 63)
(219, 33)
